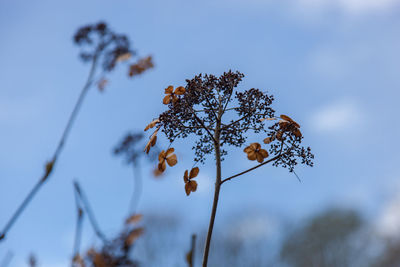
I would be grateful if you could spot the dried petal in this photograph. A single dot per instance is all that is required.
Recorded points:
(172, 160)
(264, 153)
(133, 236)
(190, 186)
(194, 172)
(260, 158)
(180, 90)
(134, 219)
(169, 151)
(166, 99)
(152, 124)
(162, 166)
(252, 155)
(186, 177)
(169, 89)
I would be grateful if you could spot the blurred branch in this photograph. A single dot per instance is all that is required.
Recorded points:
(190, 254)
(87, 208)
(60, 146)
(78, 230)
(137, 189)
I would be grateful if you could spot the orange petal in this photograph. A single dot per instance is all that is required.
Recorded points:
(153, 140)
(193, 185)
(133, 219)
(194, 172)
(166, 99)
(188, 189)
(180, 90)
(248, 149)
(297, 132)
(169, 89)
(269, 140)
(172, 160)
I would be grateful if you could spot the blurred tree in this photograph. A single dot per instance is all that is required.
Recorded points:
(329, 239)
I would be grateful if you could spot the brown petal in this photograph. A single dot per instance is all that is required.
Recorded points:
(251, 155)
(162, 166)
(172, 160)
(269, 139)
(152, 124)
(133, 219)
(153, 140)
(166, 99)
(194, 172)
(255, 146)
(161, 156)
(169, 89)
(174, 98)
(124, 57)
(260, 158)
(191, 186)
(169, 151)
(286, 118)
(283, 124)
(180, 90)
(133, 235)
(264, 153)
(248, 149)
(297, 132)
(185, 177)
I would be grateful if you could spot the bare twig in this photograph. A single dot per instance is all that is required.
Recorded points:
(253, 168)
(190, 255)
(50, 165)
(88, 209)
(78, 230)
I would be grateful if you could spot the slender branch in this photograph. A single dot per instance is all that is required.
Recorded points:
(89, 212)
(50, 165)
(205, 127)
(253, 168)
(137, 189)
(78, 229)
(191, 254)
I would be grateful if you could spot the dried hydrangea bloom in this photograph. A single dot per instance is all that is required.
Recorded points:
(190, 185)
(255, 152)
(171, 95)
(166, 157)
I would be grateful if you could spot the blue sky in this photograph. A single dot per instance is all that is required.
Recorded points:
(332, 65)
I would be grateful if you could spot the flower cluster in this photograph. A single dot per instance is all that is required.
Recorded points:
(209, 108)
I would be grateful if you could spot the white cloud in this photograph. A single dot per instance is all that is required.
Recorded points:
(336, 117)
(351, 6)
(388, 223)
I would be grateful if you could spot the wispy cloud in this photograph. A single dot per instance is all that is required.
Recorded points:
(337, 117)
(351, 6)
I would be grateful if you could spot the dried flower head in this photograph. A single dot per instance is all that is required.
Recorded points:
(255, 152)
(166, 157)
(190, 185)
(172, 95)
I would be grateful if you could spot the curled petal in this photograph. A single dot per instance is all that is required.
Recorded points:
(180, 90)
(153, 140)
(194, 172)
(169, 89)
(286, 118)
(152, 124)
